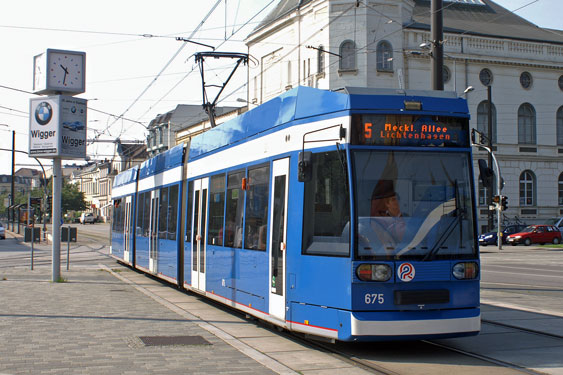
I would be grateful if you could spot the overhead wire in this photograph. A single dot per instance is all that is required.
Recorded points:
(182, 46)
(194, 66)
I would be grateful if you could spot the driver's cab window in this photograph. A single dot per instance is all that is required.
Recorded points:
(326, 210)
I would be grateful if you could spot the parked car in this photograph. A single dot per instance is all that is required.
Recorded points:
(541, 234)
(556, 222)
(87, 218)
(2, 231)
(490, 238)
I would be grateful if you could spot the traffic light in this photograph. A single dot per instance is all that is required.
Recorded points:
(485, 173)
(504, 202)
(496, 199)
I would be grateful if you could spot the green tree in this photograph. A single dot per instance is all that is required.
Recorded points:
(72, 198)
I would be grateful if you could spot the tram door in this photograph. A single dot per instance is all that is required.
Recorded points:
(199, 233)
(278, 236)
(153, 231)
(127, 230)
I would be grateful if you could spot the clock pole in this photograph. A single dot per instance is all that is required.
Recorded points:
(49, 115)
(57, 190)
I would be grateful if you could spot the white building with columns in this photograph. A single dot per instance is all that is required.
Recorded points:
(330, 44)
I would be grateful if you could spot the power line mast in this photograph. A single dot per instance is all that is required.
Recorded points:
(209, 107)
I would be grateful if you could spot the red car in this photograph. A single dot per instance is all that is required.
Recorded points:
(541, 234)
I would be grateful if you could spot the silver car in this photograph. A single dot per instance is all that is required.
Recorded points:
(2, 231)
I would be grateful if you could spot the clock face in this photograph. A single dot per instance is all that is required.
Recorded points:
(39, 72)
(66, 71)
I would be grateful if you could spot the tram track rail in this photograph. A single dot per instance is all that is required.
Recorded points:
(372, 366)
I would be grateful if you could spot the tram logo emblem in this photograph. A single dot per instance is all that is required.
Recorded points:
(406, 272)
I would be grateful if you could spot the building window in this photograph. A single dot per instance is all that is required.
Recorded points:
(446, 74)
(526, 124)
(560, 126)
(486, 77)
(526, 80)
(561, 189)
(384, 56)
(320, 60)
(527, 188)
(482, 194)
(348, 55)
(560, 82)
(483, 119)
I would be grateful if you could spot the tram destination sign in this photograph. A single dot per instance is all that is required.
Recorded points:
(410, 130)
(57, 127)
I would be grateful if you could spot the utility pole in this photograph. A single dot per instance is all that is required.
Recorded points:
(437, 32)
(12, 200)
(490, 223)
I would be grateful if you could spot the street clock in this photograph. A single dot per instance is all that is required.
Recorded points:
(59, 71)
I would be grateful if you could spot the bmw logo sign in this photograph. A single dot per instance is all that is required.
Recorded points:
(43, 113)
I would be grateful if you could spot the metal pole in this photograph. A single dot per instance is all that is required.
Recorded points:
(57, 190)
(490, 223)
(32, 233)
(499, 231)
(68, 247)
(437, 31)
(28, 226)
(12, 197)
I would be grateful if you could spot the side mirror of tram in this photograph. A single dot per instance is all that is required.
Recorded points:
(304, 166)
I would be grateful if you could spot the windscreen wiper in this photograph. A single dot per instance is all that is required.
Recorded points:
(449, 230)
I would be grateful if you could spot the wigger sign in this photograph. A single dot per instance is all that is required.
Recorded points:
(57, 127)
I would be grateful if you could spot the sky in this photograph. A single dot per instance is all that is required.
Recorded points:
(135, 67)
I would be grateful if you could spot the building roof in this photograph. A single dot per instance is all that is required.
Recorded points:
(474, 17)
(28, 172)
(132, 151)
(489, 20)
(186, 115)
(284, 7)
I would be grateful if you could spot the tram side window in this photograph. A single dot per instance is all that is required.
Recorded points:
(163, 213)
(189, 211)
(216, 210)
(326, 208)
(146, 214)
(116, 213)
(257, 200)
(172, 212)
(139, 221)
(235, 207)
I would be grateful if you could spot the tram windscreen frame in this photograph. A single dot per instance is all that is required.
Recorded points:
(413, 205)
(409, 130)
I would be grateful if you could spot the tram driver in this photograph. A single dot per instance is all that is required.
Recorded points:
(384, 229)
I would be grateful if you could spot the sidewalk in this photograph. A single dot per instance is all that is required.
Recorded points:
(94, 322)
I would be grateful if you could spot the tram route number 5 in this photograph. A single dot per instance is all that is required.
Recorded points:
(373, 298)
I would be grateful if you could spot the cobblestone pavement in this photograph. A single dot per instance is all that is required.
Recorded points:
(91, 324)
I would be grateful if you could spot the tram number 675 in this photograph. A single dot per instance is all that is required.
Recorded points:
(373, 298)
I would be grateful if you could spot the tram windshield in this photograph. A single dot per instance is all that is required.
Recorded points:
(413, 205)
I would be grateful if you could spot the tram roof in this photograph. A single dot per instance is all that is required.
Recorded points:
(126, 177)
(164, 161)
(303, 102)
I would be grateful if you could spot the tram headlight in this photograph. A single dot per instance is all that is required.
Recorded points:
(373, 272)
(465, 270)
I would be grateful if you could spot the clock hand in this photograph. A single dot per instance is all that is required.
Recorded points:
(66, 72)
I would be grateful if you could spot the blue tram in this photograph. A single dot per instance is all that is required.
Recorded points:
(347, 215)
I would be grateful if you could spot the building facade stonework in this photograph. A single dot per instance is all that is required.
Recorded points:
(330, 44)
